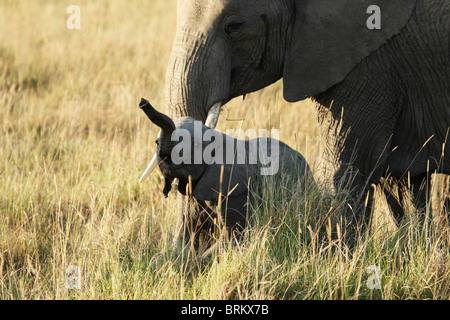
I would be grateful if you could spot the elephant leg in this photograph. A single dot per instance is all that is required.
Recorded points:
(234, 211)
(187, 221)
(394, 191)
(358, 214)
(234, 219)
(360, 203)
(420, 190)
(180, 228)
(195, 225)
(398, 190)
(205, 227)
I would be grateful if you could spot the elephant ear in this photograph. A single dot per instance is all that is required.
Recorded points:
(233, 181)
(330, 37)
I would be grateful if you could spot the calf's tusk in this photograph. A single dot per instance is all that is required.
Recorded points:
(151, 166)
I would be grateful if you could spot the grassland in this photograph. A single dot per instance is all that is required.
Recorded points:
(73, 145)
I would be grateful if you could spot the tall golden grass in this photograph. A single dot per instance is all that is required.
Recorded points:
(74, 143)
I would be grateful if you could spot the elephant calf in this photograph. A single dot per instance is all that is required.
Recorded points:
(219, 174)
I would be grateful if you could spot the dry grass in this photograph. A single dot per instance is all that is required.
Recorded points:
(74, 143)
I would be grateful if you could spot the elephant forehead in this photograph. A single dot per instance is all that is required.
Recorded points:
(199, 14)
(190, 125)
(185, 123)
(202, 15)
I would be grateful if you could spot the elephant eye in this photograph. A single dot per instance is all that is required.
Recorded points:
(234, 26)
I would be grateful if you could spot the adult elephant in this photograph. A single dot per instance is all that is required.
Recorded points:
(382, 94)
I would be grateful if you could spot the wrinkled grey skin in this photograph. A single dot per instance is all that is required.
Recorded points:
(237, 182)
(382, 96)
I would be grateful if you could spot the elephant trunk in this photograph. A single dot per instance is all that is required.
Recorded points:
(198, 77)
(167, 127)
(161, 120)
(197, 81)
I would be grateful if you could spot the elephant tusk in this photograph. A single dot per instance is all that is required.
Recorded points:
(213, 115)
(151, 166)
